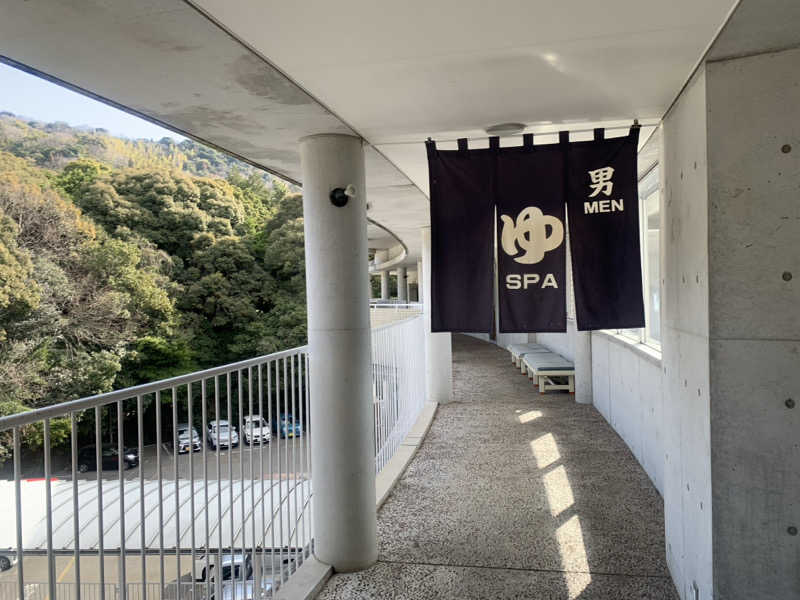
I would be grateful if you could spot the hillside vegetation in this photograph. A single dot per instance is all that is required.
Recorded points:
(126, 261)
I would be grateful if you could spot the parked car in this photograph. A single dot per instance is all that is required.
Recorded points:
(87, 458)
(256, 430)
(7, 560)
(222, 434)
(287, 426)
(188, 439)
(238, 573)
(234, 566)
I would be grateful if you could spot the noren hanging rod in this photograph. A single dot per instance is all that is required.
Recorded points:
(635, 123)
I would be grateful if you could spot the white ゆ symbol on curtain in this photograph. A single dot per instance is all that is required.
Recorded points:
(531, 235)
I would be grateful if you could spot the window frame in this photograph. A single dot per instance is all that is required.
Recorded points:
(643, 334)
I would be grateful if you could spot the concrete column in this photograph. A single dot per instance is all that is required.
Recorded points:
(385, 285)
(420, 275)
(339, 349)
(402, 284)
(754, 325)
(730, 327)
(438, 347)
(583, 367)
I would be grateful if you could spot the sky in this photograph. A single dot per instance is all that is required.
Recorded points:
(26, 95)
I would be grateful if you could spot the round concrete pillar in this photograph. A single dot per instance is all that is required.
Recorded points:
(419, 280)
(402, 284)
(438, 347)
(339, 350)
(385, 285)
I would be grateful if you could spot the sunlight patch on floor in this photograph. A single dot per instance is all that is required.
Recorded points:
(569, 535)
(573, 556)
(559, 492)
(545, 450)
(527, 417)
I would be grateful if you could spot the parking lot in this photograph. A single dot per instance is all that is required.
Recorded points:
(279, 459)
(273, 460)
(36, 577)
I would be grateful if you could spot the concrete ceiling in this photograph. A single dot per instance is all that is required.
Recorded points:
(403, 71)
(253, 77)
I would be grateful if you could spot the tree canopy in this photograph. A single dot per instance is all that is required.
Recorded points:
(126, 261)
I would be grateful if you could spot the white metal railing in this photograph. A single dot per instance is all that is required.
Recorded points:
(398, 379)
(170, 528)
(395, 304)
(154, 523)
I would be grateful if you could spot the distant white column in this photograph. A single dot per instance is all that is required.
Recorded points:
(402, 284)
(438, 347)
(339, 351)
(381, 256)
(385, 284)
(419, 280)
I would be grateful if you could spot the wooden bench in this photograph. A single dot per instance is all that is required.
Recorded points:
(519, 350)
(544, 368)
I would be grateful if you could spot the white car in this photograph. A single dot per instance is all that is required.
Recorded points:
(255, 430)
(220, 434)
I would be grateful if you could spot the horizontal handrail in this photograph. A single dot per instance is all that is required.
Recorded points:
(395, 323)
(64, 408)
(395, 304)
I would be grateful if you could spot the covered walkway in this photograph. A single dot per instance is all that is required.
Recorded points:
(516, 495)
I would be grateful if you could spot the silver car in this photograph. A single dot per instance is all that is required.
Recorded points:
(221, 434)
(188, 439)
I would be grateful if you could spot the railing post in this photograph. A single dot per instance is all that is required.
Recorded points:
(343, 476)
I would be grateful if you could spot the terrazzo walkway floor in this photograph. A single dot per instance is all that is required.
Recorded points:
(514, 494)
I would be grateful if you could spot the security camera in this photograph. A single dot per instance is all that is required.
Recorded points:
(340, 196)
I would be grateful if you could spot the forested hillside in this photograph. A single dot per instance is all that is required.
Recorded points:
(126, 261)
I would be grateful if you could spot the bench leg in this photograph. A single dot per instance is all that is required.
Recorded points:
(571, 379)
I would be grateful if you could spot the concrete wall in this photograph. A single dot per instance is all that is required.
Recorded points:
(560, 343)
(626, 384)
(685, 343)
(754, 327)
(504, 339)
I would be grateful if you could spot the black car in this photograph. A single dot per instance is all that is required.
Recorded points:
(87, 458)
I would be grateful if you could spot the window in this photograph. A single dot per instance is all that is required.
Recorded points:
(570, 283)
(650, 242)
(649, 193)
